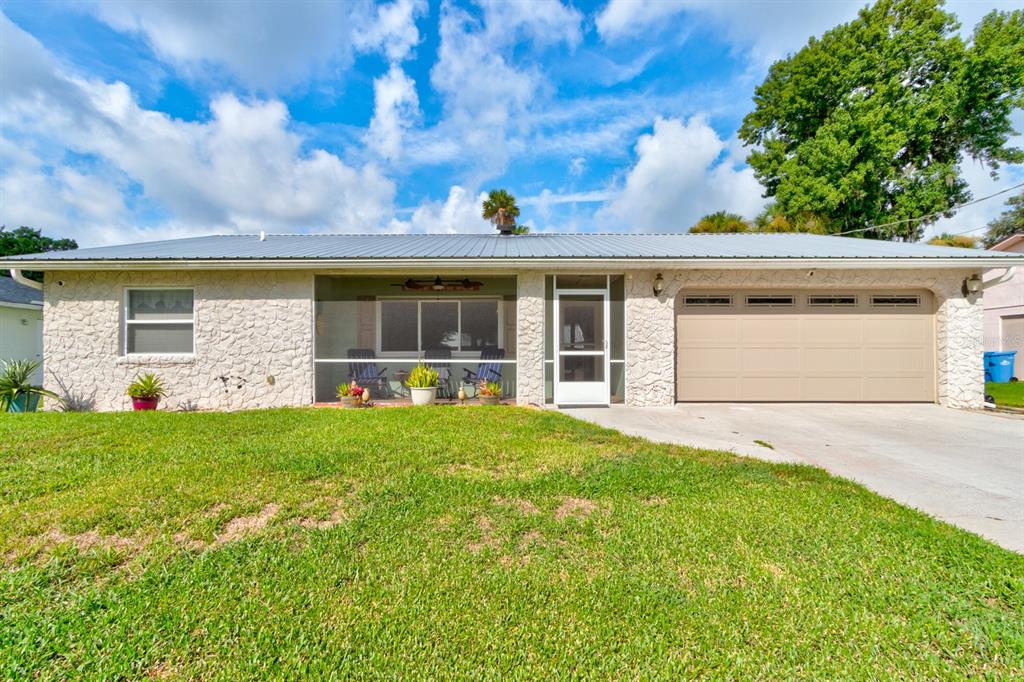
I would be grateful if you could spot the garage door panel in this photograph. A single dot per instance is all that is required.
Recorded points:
(701, 360)
(769, 330)
(710, 388)
(842, 329)
(818, 360)
(897, 361)
(911, 331)
(851, 352)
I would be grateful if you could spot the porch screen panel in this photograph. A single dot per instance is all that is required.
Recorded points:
(399, 322)
(479, 325)
(439, 325)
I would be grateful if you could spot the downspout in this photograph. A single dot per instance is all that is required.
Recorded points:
(22, 279)
(1001, 279)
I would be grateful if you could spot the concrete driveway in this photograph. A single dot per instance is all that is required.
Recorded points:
(966, 468)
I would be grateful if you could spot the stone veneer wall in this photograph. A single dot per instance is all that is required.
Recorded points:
(650, 323)
(530, 339)
(254, 327)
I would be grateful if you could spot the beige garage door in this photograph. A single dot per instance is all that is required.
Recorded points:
(805, 346)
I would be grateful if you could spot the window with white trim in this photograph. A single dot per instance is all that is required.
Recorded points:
(159, 321)
(459, 325)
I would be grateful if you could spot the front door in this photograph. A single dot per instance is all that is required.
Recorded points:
(581, 344)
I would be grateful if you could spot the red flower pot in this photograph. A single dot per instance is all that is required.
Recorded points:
(145, 403)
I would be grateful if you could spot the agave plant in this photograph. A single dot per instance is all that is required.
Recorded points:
(16, 387)
(147, 385)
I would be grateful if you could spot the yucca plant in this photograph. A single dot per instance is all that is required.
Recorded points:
(422, 377)
(17, 392)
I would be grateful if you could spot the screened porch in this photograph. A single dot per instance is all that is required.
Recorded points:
(376, 329)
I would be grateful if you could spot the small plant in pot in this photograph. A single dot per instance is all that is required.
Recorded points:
(17, 392)
(350, 395)
(490, 392)
(422, 383)
(146, 391)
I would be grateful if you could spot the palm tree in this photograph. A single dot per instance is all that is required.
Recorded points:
(721, 222)
(500, 208)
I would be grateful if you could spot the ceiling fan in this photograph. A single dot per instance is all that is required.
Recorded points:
(438, 284)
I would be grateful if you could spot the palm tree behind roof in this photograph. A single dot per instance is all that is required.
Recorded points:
(500, 208)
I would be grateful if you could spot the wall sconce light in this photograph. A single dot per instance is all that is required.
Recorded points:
(659, 284)
(972, 285)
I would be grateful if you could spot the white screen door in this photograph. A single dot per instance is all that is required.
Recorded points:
(581, 344)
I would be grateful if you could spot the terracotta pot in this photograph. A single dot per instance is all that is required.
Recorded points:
(348, 401)
(489, 399)
(423, 396)
(149, 403)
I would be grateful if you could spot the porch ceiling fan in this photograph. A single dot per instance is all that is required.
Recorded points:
(438, 284)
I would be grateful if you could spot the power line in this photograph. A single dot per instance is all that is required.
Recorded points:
(932, 215)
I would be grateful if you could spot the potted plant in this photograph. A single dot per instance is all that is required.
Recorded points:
(490, 392)
(422, 383)
(146, 391)
(17, 392)
(350, 395)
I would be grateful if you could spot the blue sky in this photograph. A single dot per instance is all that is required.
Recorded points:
(134, 121)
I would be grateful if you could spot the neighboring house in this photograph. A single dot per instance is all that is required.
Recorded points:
(1004, 307)
(646, 319)
(21, 322)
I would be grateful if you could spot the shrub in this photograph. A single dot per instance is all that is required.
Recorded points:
(422, 377)
(147, 385)
(490, 388)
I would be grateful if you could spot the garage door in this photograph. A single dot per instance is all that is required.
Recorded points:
(805, 346)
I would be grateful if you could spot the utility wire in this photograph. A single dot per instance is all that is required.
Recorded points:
(932, 215)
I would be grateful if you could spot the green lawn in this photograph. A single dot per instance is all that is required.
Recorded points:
(1007, 395)
(467, 542)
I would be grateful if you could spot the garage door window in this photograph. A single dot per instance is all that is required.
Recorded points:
(832, 301)
(708, 301)
(769, 301)
(895, 301)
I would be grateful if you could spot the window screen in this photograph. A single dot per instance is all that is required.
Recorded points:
(159, 321)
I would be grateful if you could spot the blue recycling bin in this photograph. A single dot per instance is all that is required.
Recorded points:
(999, 366)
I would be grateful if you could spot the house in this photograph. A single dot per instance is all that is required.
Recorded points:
(1004, 308)
(21, 322)
(246, 321)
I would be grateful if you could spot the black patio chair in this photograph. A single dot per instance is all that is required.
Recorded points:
(365, 373)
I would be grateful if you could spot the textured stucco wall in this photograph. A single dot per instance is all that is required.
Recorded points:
(650, 323)
(530, 339)
(248, 326)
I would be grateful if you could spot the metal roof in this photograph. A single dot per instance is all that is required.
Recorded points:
(12, 292)
(478, 247)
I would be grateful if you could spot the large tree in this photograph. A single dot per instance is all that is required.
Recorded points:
(1009, 223)
(29, 240)
(869, 124)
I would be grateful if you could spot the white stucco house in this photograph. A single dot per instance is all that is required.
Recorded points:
(647, 319)
(21, 322)
(1004, 307)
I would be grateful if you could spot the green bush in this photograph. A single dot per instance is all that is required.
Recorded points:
(147, 385)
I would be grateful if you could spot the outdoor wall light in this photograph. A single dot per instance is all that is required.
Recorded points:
(659, 284)
(972, 285)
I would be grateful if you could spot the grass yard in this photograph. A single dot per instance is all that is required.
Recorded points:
(1007, 395)
(467, 542)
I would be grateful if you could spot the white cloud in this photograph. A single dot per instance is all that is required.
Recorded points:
(242, 170)
(545, 22)
(395, 108)
(577, 166)
(265, 44)
(678, 177)
(392, 29)
(460, 212)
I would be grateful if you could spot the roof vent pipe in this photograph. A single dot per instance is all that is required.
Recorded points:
(263, 236)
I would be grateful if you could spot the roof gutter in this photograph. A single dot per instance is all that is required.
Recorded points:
(433, 264)
(22, 279)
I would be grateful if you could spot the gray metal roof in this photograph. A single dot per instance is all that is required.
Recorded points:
(518, 247)
(12, 292)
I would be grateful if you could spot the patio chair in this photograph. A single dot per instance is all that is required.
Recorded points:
(487, 370)
(440, 360)
(366, 373)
